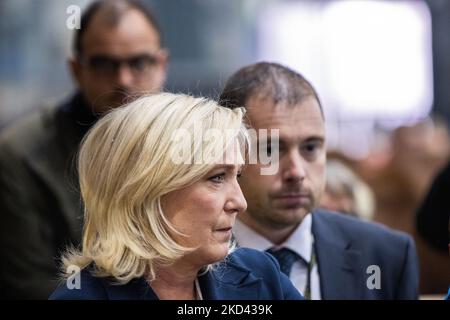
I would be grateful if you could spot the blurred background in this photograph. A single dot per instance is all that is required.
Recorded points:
(381, 68)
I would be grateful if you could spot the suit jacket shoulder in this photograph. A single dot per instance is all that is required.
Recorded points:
(358, 248)
(83, 286)
(376, 235)
(29, 134)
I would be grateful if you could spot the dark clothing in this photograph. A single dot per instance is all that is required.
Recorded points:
(433, 217)
(40, 205)
(246, 274)
(346, 247)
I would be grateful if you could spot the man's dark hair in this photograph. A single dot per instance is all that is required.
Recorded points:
(267, 80)
(115, 9)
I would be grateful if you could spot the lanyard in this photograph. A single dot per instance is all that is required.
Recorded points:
(312, 262)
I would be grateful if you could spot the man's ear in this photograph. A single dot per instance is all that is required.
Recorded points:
(75, 70)
(161, 74)
(164, 58)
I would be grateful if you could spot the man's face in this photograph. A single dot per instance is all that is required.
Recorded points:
(279, 202)
(119, 61)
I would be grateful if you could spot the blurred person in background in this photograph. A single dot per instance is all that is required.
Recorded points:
(433, 216)
(117, 53)
(346, 193)
(406, 166)
(401, 176)
(433, 233)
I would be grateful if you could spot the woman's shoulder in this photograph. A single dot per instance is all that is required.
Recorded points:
(263, 267)
(81, 285)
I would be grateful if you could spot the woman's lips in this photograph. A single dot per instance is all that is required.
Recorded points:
(224, 229)
(224, 232)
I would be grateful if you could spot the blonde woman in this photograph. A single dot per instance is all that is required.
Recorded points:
(160, 203)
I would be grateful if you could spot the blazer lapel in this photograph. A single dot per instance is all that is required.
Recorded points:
(230, 282)
(136, 289)
(226, 281)
(338, 264)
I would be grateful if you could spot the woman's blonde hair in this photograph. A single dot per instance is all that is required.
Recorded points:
(126, 165)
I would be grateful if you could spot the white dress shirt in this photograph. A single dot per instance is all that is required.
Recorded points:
(301, 242)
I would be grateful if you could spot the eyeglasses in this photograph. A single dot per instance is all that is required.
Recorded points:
(139, 65)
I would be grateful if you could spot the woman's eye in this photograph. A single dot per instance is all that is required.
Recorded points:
(239, 174)
(218, 178)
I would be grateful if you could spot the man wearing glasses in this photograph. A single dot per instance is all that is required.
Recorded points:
(117, 56)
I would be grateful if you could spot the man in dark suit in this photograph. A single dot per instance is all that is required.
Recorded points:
(117, 53)
(326, 255)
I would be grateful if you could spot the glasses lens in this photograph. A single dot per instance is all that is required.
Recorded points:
(142, 64)
(103, 65)
(138, 65)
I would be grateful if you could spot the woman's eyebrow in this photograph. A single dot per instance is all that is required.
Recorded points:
(231, 167)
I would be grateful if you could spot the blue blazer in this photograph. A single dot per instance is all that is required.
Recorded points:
(346, 247)
(246, 274)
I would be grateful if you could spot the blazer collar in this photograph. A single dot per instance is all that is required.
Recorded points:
(338, 262)
(229, 281)
(226, 281)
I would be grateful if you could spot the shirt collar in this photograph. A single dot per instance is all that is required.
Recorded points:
(300, 241)
(247, 237)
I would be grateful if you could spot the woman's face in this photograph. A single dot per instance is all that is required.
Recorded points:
(205, 212)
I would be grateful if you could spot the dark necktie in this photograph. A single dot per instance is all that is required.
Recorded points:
(286, 259)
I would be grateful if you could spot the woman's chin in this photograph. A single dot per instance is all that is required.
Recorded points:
(216, 254)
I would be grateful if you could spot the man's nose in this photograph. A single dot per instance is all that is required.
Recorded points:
(294, 167)
(124, 76)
